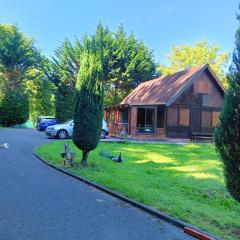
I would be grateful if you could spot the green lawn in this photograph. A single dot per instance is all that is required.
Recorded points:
(185, 181)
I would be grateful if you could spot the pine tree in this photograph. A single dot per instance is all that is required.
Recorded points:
(88, 111)
(227, 135)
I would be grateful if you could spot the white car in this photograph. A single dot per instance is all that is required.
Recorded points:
(65, 130)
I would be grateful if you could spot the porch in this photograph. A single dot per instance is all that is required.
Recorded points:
(144, 122)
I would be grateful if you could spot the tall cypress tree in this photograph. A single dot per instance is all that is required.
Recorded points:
(227, 135)
(88, 111)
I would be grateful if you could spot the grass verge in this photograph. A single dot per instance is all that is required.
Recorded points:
(185, 181)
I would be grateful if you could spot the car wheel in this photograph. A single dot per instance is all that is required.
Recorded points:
(103, 134)
(62, 134)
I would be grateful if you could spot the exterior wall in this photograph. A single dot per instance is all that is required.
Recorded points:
(203, 101)
(119, 129)
(158, 132)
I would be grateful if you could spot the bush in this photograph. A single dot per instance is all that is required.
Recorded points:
(64, 104)
(14, 107)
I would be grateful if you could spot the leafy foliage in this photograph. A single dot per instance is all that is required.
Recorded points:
(64, 104)
(63, 71)
(17, 55)
(88, 111)
(185, 56)
(41, 94)
(129, 62)
(126, 63)
(227, 135)
(14, 107)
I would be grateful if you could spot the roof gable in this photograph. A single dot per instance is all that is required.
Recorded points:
(165, 90)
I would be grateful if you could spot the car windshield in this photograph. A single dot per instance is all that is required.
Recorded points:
(47, 119)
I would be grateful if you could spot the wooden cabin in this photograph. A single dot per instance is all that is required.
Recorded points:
(180, 105)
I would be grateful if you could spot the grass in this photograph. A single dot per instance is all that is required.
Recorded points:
(185, 181)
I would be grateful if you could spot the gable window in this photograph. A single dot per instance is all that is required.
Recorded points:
(202, 86)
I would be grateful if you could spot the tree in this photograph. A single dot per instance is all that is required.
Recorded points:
(63, 71)
(185, 56)
(227, 134)
(17, 55)
(88, 111)
(130, 63)
(41, 94)
(13, 107)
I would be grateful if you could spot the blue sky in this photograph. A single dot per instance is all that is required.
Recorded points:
(159, 23)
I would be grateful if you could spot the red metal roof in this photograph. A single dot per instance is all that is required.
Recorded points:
(163, 89)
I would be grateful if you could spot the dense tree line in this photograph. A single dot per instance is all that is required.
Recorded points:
(126, 63)
(18, 59)
(49, 84)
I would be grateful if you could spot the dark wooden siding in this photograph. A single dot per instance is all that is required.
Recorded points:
(204, 99)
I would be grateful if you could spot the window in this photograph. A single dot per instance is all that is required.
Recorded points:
(172, 116)
(215, 118)
(202, 86)
(145, 120)
(124, 116)
(184, 117)
(160, 117)
(140, 117)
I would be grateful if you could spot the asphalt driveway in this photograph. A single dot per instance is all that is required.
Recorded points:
(40, 203)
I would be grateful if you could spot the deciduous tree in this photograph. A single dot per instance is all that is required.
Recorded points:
(17, 55)
(185, 56)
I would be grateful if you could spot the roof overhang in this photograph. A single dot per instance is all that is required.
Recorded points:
(147, 104)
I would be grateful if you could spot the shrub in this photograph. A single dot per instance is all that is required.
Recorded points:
(14, 107)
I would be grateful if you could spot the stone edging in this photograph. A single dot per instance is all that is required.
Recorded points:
(202, 235)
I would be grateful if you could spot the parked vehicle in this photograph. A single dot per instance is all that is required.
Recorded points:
(45, 121)
(65, 130)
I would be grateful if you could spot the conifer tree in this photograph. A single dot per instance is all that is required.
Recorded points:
(227, 135)
(88, 111)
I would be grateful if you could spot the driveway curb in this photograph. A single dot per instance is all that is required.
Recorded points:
(202, 235)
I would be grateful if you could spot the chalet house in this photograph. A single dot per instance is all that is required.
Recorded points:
(180, 105)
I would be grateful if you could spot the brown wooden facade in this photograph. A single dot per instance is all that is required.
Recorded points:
(193, 109)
